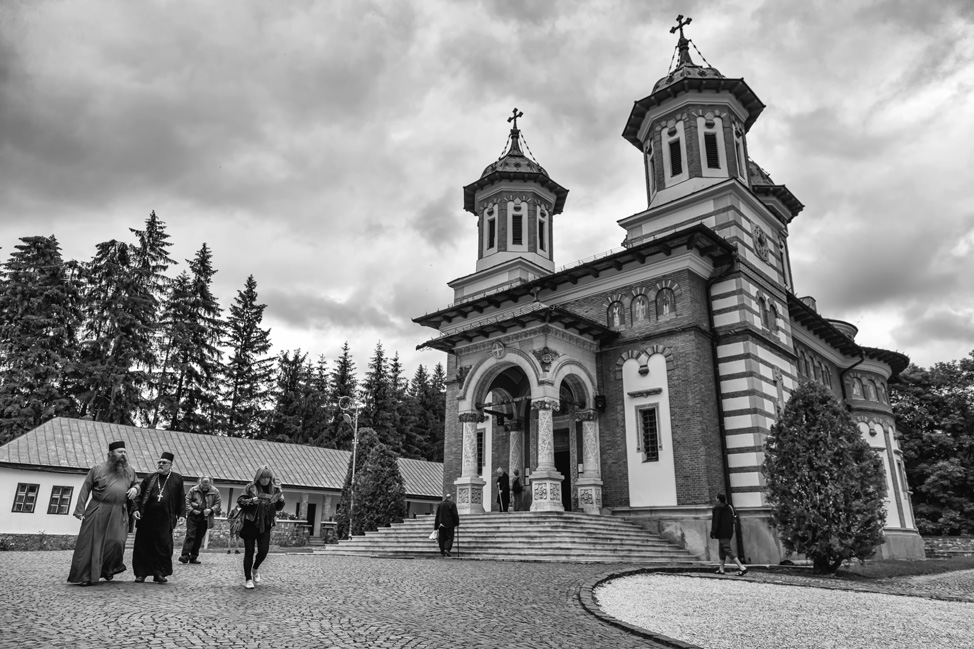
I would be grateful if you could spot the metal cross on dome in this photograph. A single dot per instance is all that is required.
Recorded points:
(680, 24)
(513, 118)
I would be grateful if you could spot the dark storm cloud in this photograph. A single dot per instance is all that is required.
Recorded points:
(936, 324)
(309, 309)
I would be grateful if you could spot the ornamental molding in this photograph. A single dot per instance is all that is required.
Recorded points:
(509, 340)
(585, 415)
(545, 404)
(471, 417)
(645, 393)
(546, 356)
(639, 355)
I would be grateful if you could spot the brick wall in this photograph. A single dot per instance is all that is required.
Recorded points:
(948, 546)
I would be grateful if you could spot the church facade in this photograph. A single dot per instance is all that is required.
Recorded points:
(643, 382)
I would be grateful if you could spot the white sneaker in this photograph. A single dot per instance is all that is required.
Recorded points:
(256, 576)
(249, 584)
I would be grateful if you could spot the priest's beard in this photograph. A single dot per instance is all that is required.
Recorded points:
(119, 464)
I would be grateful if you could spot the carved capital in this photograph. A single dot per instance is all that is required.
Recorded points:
(545, 404)
(585, 415)
(546, 356)
(471, 417)
(514, 426)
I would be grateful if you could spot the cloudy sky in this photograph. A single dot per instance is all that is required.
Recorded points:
(322, 146)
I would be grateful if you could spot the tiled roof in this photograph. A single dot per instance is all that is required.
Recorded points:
(77, 445)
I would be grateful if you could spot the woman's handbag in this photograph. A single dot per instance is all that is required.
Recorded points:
(235, 521)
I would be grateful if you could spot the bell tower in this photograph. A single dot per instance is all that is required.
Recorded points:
(692, 129)
(515, 202)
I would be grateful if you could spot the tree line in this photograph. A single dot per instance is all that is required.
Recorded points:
(119, 339)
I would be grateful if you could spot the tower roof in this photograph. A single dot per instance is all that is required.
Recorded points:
(687, 76)
(515, 165)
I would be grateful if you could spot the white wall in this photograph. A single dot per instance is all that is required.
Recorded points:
(651, 484)
(39, 521)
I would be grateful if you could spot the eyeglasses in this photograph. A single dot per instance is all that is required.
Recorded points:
(161, 462)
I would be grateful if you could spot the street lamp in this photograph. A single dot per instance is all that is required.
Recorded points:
(346, 404)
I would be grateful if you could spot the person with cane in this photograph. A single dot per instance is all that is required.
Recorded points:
(445, 523)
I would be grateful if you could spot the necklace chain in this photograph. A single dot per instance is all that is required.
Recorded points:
(162, 485)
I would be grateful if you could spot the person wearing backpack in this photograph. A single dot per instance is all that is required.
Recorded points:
(259, 502)
(722, 529)
(517, 489)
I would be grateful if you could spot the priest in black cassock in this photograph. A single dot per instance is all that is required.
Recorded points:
(160, 503)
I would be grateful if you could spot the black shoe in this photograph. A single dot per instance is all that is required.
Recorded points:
(236, 551)
(742, 572)
(449, 554)
(195, 561)
(139, 580)
(160, 579)
(85, 583)
(442, 553)
(228, 551)
(183, 559)
(108, 577)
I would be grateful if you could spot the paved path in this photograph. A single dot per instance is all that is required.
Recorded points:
(306, 601)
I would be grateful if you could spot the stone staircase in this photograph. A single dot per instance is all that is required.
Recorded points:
(522, 536)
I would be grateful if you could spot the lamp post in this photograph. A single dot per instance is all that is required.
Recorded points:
(346, 404)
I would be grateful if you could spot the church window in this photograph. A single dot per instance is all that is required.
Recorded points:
(648, 441)
(857, 388)
(517, 225)
(491, 233)
(881, 389)
(827, 374)
(480, 452)
(871, 391)
(615, 316)
(60, 500)
(774, 318)
(542, 230)
(740, 157)
(652, 175)
(763, 308)
(665, 303)
(676, 158)
(25, 498)
(713, 156)
(817, 369)
(640, 308)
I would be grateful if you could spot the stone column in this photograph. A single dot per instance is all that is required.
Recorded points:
(517, 451)
(546, 480)
(470, 487)
(589, 483)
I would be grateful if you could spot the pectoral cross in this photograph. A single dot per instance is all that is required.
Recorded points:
(514, 117)
(680, 23)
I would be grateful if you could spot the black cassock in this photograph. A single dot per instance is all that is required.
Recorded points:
(152, 556)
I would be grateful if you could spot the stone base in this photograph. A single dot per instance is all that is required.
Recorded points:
(546, 491)
(590, 496)
(470, 495)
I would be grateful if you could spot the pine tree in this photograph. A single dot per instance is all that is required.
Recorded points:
(379, 491)
(343, 383)
(378, 401)
(175, 327)
(150, 258)
(435, 403)
(39, 321)
(825, 484)
(317, 411)
(117, 345)
(249, 372)
(194, 358)
(286, 421)
(399, 415)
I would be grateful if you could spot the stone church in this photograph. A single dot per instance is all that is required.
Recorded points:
(643, 382)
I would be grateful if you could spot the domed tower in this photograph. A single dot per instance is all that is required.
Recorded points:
(515, 202)
(692, 129)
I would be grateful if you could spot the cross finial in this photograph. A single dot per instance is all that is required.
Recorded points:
(513, 118)
(680, 24)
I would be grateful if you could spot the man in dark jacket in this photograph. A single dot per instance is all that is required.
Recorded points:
(202, 504)
(722, 529)
(446, 521)
(503, 489)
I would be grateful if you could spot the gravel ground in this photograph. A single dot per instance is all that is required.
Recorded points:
(725, 613)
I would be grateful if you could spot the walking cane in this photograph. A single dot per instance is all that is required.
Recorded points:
(458, 541)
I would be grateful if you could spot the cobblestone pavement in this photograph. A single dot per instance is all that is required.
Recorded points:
(305, 601)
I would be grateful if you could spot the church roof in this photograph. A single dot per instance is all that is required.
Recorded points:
(514, 165)
(762, 185)
(532, 314)
(75, 445)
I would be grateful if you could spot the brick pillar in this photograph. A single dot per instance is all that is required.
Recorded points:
(546, 480)
(470, 487)
(590, 482)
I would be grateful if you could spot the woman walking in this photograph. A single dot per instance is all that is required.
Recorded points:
(259, 504)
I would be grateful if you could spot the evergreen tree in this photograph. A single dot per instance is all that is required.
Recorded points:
(398, 410)
(318, 411)
(175, 327)
(825, 484)
(435, 403)
(151, 260)
(193, 397)
(39, 321)
(378, 489)
(287, 417)
(117, 346)
(342, 384)
(249, 373)
(378, 401)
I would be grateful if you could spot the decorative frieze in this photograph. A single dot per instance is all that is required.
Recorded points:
(645, 393)
(510, 340)
(546, 356)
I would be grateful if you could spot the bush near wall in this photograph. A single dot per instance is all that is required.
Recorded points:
(948, 546)
(21, 542)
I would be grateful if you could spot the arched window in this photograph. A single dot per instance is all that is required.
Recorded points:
(763, 308)
(774, 319)
(616, 315)
(802, 364)
(857, 388)
(640, 308)
(827, 374)
(881, 389)
(817, 368)
(871, 391)
(665, 302)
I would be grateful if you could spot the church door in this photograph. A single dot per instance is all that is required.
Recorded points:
(563, 463)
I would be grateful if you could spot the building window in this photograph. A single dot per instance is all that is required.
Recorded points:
(26, 498)
(652, 175)
(871, 391)
(517, 224)
(665, 303)
(827, 374)
(739, 148)
(648, 441)
(615, 316)
(857, 388)
(491, 233)
(60, 500)
(774, 318)
(542, 230)
(676, 158)
(640, 308)
(881, 389)
(710, 145)
(817, 368)
(763, 308)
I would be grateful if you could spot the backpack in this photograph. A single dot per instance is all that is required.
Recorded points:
(235, 521)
